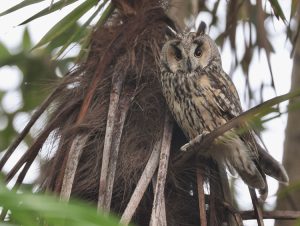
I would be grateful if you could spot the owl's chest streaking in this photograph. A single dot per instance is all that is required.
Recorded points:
(197, 101)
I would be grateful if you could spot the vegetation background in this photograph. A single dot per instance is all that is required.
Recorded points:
(27, 75)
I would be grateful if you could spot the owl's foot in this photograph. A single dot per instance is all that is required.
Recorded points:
(196, 141)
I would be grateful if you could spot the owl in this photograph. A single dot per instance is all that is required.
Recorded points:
(202, 97)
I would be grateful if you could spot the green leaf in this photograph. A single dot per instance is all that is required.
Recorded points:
(105, 15)
(4, 53)
(63, 65)
(277, 10)
(66, 22)
(7, 224)
(26, 43)
(108, 11)
(74, 37)
(31, 210)
(78, 33)
(292, 187)
(21, 5)
(56, 6)
(63, 37)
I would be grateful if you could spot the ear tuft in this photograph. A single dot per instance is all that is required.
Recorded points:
(202, 28)
(171, 33)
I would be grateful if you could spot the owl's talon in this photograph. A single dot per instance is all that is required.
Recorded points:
(185, 147)
(196, 140)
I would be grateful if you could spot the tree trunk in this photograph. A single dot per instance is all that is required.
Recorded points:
(291, 156)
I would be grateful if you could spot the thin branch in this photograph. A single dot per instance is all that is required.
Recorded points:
(58, 180)
(201, 197)
(142, 184)
(257, 207)
(123, 109)
(71, 166)
(162, 172)
(33, 151)
(276, 214)
(215, 191)
(112, 111)
(237, 215)
(201, 142)
(27, 128)
(163, 215)
(232, 218)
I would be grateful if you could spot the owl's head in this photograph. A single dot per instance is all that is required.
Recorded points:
(189, 52)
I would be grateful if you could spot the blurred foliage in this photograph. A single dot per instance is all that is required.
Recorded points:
(40, 63)
(295, 186)
(29, 210)
(59, 33)
(38, 71)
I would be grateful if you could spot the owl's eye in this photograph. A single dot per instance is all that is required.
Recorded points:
(198, 51)
(178, 54)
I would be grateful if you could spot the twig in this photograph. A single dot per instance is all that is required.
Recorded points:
(142, 184)
(234, 218)
(215, 190)
(123, 109)
(236, 214)
(257, 208)
(112, 111)
(162, 172)
(31, 122)
(71, 167)
(58, 180)
(199, 142)
(33, 151)
(163, 215)
(276, 214)
(201, 197)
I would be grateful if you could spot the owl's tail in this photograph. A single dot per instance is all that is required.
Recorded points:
(271, 167)
(256, 179)
(266, 164)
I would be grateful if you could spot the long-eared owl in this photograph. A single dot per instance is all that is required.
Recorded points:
(202, 97)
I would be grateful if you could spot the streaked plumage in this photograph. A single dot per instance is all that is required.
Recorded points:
(202, 97)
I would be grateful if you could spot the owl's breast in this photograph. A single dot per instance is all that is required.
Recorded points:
(192, 103)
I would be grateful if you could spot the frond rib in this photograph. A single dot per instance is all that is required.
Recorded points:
(115, 147)
(71, 166)
(162, 172)
(112, 111)
(142, 184)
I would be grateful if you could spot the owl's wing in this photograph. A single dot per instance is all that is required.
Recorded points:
(264, 161)
(226, 95)
(229, 104)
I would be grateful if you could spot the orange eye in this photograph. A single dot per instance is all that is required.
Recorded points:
(198, 51)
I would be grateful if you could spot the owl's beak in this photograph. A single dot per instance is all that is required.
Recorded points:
(189, 65)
